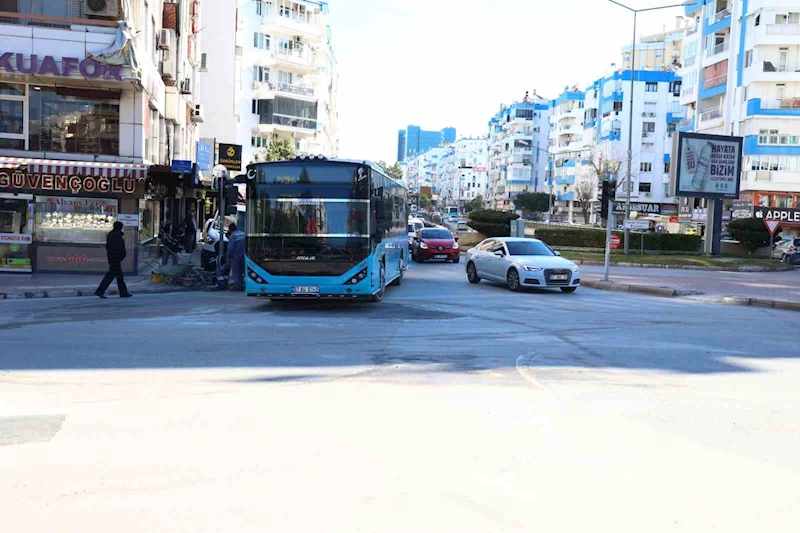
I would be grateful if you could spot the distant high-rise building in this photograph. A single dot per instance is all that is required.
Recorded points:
(414, 140)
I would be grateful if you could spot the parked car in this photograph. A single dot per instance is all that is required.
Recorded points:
(521, 263)
(435, 243)
(208, 251)
(786, 250)
(462, 225)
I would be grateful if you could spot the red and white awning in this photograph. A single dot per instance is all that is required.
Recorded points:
(77, 168)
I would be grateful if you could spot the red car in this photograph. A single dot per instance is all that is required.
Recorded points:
(435, 243)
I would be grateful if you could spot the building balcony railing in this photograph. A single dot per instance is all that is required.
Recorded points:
(292, 122)
(294, 89)
(301, 57)
(783, 29)
(711, 114)
(45, 21)
(688, 90)
(722, 14)
(784, 103)
(692, 30)
(721, 47)
(716, 82)
(778, 66)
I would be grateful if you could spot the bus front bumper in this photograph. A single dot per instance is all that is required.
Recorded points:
(321, 292)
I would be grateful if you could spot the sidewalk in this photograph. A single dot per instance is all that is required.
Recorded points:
(22, 286)
(744, 288)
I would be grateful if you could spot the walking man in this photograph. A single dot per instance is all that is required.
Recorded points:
(234, 260)
(115, 249)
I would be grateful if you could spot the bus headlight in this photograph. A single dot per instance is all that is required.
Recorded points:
(255, 277)
(357, 278)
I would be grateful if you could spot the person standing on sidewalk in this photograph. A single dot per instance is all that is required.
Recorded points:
(234, 260)
(115, 249)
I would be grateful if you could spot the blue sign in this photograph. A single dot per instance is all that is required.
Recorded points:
(203, 156)
(180, 166)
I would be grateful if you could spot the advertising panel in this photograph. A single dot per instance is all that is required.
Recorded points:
(708, 166)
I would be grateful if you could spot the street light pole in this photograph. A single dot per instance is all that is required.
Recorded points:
(630, 111)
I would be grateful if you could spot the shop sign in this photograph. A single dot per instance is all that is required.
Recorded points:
(128, 220)
(783, 214)
(638, 207)
(230, 156)
(181, 166)
(76, 258)
(741, 209)
(89, 68)
(700, 215)
(21, 181)
(685, 211)
(16, 238)
(203, 156)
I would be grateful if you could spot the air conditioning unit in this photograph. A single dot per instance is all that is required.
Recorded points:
(165, 37)
(167, 68)
(186, 86)
(197, 115)
(101, 8)
(647, 194)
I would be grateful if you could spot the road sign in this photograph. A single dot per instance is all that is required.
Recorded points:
(615, 241)
(772, 225)
(637, 225)
(181, 166)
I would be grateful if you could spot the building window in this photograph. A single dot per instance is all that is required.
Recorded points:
(644, 187)
(257, 141)
(261, 41)
(666, 167)
(12, 116)
(671, 128)
(748, 58)
(645, 167)
(651, 87)
(261, 74)
(75, 121)
(648, 127)
(263, 7)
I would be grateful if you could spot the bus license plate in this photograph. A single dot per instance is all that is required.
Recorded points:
(440, 257)
(305, 289)
(559, 277)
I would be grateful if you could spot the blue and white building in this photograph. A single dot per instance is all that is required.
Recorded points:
(741, 76)
(516, 161)
(566, 146)
(463, 172)
(414, 141)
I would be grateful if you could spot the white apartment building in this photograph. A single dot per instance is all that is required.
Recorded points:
(462, 172)
(603, 143)
(740, 77)
(274, 78)
(517, 159)
(96, 96)
(659, 51)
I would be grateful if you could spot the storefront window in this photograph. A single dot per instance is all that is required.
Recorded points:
(12, 116)
(74, 220)
(16, 227)
(74, 121)
(148, 219)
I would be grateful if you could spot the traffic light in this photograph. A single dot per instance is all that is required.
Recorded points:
(608, 193)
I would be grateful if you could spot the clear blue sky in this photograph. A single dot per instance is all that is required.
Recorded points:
(440, 63)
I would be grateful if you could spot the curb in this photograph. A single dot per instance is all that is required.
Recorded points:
(743, 268)
(83, 291)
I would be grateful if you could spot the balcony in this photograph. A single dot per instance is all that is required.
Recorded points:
(286, 123)
(45, 21)
(715, 82)
(711, 114)
(686, 124)
(718, 49)
(789, 107)
(292, 23)
(722, 14)
(565, 196)
(692, 30)
(689, 61)
(783, 29)
(565, 180)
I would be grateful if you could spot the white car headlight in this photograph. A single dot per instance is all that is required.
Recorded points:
(574, 268)
(530, 268)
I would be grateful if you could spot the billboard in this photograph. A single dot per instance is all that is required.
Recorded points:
(230, 156)
(708, 166)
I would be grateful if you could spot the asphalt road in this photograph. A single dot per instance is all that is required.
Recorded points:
(447, 407)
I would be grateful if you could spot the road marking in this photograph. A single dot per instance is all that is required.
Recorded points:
(527, 374)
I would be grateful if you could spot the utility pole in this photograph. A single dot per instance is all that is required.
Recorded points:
(630, 142)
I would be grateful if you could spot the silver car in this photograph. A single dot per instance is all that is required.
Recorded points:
(521, 263)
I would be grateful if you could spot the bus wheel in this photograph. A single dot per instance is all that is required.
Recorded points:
(378, 296)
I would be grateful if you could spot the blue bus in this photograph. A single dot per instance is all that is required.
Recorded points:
(324, 228)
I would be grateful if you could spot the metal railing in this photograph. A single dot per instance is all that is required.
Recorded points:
(685, 123)
(715, 82)
(783, 29)
(294, 55)
(722, 14)
(294, 89)
(711, 114)
(777, 66)
(30, 19)
(293, 122)
(721, 47)
(786, 103)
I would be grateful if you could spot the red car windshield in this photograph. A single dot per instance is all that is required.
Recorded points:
(437, 234)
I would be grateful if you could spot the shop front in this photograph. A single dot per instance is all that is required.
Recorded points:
(54, 215)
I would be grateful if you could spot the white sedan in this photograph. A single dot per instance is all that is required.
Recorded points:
(521, 263)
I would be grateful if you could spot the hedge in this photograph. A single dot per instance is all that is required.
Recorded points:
(491, 223)
(589, 238)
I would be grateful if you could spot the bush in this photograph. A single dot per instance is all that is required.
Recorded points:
(590, 238)
(751, 232)
(491, 223)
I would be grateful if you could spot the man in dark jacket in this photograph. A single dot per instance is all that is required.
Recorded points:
(115, 249)
(233, 260)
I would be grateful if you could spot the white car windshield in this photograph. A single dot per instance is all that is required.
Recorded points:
(528, 248)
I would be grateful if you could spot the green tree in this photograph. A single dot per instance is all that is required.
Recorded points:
(393, 171)
(278, 150)
(751, 232)
(424, 201)
(475, 203)
(535, 202)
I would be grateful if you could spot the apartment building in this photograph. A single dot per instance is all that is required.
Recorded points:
(517, 157)
(744, 81)
(275, 77)
(659, 51)
(462, 173)
(414, 141)
(565, 146)
(96, 97)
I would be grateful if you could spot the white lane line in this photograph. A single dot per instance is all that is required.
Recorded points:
(527, 374)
